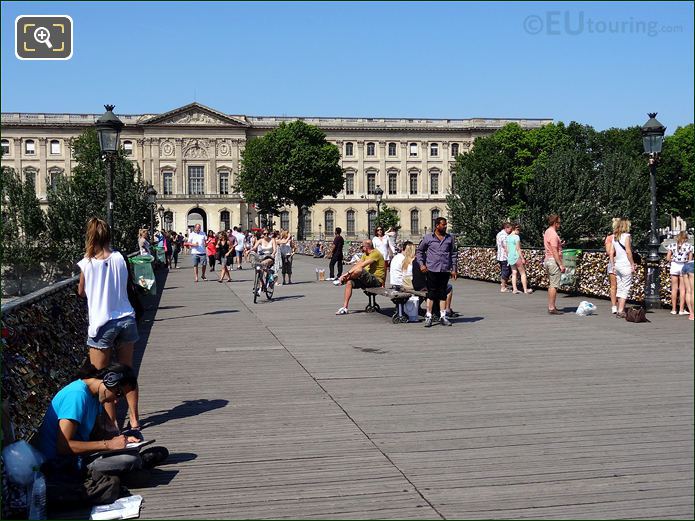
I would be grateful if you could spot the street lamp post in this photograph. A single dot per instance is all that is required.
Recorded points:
(160, 211)
(152, 201)
(108, 128)
(652, 139)
(378, 194)
(320, 233)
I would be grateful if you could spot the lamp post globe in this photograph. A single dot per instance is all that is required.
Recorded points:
(108, 128)
(652, 140)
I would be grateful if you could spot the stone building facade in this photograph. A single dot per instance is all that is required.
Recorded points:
(192, 154)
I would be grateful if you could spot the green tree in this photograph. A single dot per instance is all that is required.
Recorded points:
(676, 174)
(78, 198)
(292, 164)
(388, 217)
(23, 228)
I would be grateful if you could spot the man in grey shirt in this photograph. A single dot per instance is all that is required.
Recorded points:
(436, 256)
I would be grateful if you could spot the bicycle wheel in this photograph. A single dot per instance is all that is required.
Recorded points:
(269, 289)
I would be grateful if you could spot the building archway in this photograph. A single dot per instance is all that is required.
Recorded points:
(197, 216)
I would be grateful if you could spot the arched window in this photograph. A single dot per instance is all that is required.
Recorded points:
(349, 149)
(53, 177)
(5, 147)
(29, 147)
(167, 183)
(435, 216)
(414, 222)
(454, 149)
(55, 147)
(371, 149)
(225, 219)
(307, 224)
(30, 175)
(371, 222)
(128, 148)
(392, 149)
(285, 220)
(329, 222)
(349, 183)
(434, 149)
(350, 223)
(413, 149)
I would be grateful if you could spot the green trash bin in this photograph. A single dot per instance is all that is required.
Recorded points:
(143, 274)
(569, 259)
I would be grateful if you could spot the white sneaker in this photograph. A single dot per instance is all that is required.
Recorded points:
(674, 312)
(614, 309)
(336, 282)
(342, 311)
(683, 313)
(330, 278)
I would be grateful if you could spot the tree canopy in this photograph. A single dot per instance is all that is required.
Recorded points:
(585, 176)
(292, 164)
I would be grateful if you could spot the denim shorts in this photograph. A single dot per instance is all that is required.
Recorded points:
(199, 259)
(687, 268)
(114, 332)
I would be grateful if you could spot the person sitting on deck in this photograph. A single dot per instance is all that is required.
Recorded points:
(318, 251)
(369, 272)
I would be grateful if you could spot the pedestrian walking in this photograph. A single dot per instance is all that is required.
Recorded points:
(436, 256)
(226, 255)
(553, 261)
(336, 255)
(211, 249)
(196, 243)
(516, 260)
(679, 253)
(505, 270)
(610, 270)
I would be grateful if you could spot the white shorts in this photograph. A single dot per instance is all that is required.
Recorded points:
(677, 268)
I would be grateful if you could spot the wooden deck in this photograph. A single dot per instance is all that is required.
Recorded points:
(283, 410)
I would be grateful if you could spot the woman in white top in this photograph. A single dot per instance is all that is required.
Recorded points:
(143, 243)
(678, 254)
(381, 243)
(607, 242)
(622, 261)
(112, 326)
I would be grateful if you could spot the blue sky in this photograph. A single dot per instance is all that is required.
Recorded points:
(604, 64)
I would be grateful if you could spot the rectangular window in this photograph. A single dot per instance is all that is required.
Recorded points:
(54, 180)
(307, 224)
(168, 183)
(434, 149)
(349, 184)
(393, 183)
(392, 149)
(414, 222)
(413, 184)
(454, 149)
(434, 184)
(371, 183)
(413, 150)
(196, 180)
(350, 223)
(224, 183)
(285, 220)
(29, 148)
(330, 223)
(55, 147)
(5, 147)
(30, 177)
(128, 148)
(371, 149)
(348, 149)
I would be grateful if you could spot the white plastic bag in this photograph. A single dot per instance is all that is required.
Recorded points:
(411, 307)
(20, 458)
(586, 308)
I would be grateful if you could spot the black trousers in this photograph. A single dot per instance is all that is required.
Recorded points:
(331, 266)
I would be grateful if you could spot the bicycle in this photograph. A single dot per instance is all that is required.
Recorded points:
(264, 281)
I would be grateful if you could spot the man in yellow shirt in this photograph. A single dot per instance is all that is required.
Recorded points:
(369, 272)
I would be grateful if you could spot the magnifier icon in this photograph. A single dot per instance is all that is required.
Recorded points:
(43, 35)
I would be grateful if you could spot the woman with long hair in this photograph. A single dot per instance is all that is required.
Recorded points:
(623, 262)
(112, 326)
(224, 251)
(678, 254)
(144, 243)
(287, 248)
(211, 249)
(610, 270)
(516, 260)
